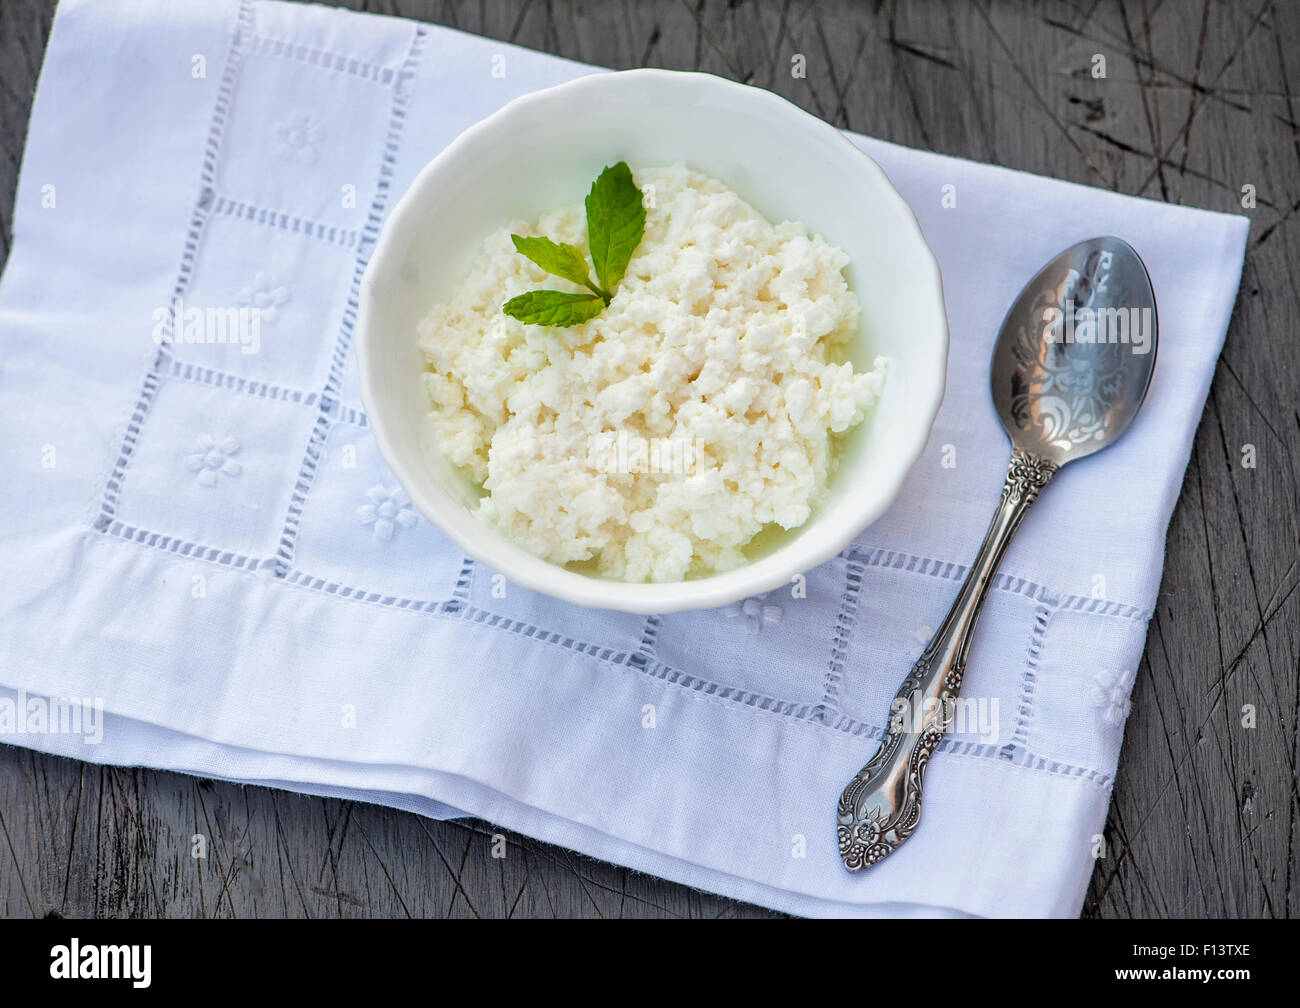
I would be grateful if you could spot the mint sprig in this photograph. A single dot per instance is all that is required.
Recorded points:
(615, 226)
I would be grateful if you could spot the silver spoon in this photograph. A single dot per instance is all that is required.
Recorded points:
(1072, 365)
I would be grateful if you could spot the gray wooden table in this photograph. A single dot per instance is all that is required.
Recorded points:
(1196, 104)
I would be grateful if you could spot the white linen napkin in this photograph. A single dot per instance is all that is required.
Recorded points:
(203, 542)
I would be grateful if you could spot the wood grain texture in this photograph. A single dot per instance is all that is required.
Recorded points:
(1199, 100)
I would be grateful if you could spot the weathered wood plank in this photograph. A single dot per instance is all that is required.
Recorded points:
(1199, 100)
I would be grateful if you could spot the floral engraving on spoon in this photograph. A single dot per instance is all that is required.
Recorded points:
(1071, 350)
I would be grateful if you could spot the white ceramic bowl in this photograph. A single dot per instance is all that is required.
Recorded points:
(540, 152)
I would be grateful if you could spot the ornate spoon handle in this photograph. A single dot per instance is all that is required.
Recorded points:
(882, 804)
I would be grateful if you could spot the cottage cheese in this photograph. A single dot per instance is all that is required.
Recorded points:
(725, 338)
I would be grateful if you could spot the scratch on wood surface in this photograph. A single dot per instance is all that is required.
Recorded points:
(1146, 60)
(285, 853)
(72, 836)
(19, 873)
(455, 876)
(519, 21)
(650, 45)
(908, 85)
(702, 35)
(913, 49)
(1034, 91)
(1198, 95)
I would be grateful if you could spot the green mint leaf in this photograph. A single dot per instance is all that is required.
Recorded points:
(557, 258)
(615, 224)
(554, 308)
